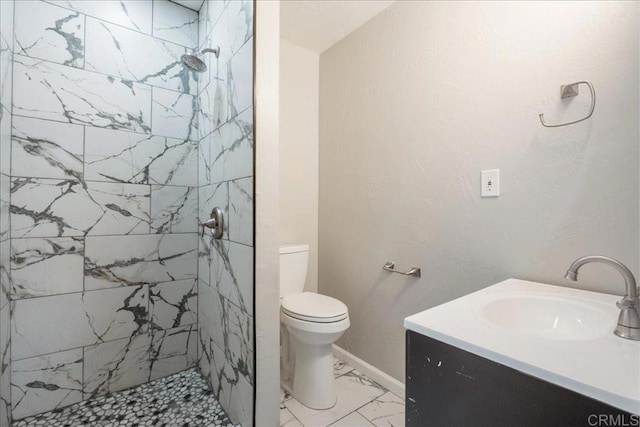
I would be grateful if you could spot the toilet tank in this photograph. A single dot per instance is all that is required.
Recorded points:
(293, 268)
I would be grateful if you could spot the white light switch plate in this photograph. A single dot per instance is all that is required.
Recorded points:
(490, 183)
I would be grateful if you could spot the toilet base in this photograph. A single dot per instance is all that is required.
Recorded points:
(313, 382)
(306, 395)
(307, 360)
(307, 352)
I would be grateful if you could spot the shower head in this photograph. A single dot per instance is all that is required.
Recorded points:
(194, 62)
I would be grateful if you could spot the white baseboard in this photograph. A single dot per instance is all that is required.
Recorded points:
(387, 381)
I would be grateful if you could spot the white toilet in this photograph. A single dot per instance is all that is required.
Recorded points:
(312, 322)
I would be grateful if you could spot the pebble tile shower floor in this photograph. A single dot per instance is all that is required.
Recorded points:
(182, 399)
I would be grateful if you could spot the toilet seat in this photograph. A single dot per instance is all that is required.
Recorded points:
(312, 307)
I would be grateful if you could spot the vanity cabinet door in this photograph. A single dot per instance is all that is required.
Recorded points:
(450, 387)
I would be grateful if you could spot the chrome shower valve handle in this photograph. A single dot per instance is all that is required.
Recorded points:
(215, 223)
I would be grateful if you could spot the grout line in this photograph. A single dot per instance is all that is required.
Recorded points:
(83, 372)
(83, 347)
(80, 236)
(292, 414)
(151, 112)
(84, 152)
(84, 46)
(12, 79)
(229, 121)
(151, 215)
(199, 352)
(351, 413)
(92, 126)
(100, 289)
(69, 178)
(144, 85)
(147, 135)
(43, 178)
(153, 18)
(116, 24)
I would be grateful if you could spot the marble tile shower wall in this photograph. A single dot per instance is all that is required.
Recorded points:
(103, 199)
(225, 268)
(6, 58)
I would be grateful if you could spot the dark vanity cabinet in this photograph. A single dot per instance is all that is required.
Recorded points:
(450, 387)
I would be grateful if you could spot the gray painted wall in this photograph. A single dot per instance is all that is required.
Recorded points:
(415, 103)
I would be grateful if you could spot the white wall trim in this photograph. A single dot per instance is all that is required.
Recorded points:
(387, 381)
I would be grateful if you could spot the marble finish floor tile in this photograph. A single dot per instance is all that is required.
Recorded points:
(386, 410)
(361, 402)
(287, 419)
(354, 419)
(340, 368)
(183, 399)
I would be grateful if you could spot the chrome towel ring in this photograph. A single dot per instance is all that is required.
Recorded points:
(567, 91)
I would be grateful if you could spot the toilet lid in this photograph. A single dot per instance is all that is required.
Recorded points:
(314, 307)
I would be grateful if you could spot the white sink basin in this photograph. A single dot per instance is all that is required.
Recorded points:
(548, 317)
(561, 335)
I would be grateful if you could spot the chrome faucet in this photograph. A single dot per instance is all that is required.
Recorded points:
(629, 320)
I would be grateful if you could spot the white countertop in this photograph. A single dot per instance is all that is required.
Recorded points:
(606, 368)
